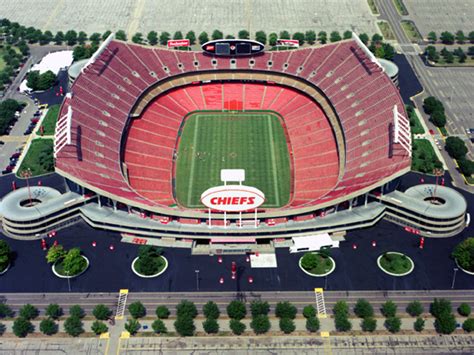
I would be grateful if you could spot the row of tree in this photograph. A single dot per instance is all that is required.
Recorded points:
(7, 113)
(13, 57)
(447, 37)
(448, 56)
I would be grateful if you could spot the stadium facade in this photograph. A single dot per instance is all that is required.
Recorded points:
(345, 123)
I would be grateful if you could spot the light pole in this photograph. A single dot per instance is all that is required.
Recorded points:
(197, 279)
(27, 174)
(454, 277)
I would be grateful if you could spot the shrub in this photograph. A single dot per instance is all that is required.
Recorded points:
(22, 327)
(260, 324)
(73, 262)
(162, 312)
(99, 327)
(237, 326)
(54, 311)
(259, 307)
(341, 308)
(393, 324)
(184, 326)
(468, 325)
(285, 310)
(236, 310)
(5, 253)
(464, 254)
(419, 324)
(210, 326)
(309, 311)
(73, 326)
(149, 261)
(312, 324)
(132, 326)
(440, 306)
(186, 309)
(137, 310)
(363, 308)
(415, 309)
(48, 326)
(464, 309)
(159, 327)
(5, 311)
(369, 324)
(29, 311)
(76, 311)
(389, 309)
(342, 323)
(309, 261)
(287, 325)
(210, 310)
(445, 323)
(101, 312)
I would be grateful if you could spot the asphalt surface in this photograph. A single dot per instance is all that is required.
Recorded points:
(407, 80)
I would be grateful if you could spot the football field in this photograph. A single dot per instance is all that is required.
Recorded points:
(252, 141)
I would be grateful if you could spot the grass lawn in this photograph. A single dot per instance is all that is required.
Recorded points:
(416, 127)
(411, 31)
(254, 141)
(469, 179)
(373, 7)
(39, 158)
(59, 267)
(424, 157)
(395, 263)
(386, 30)
(324, 265)
(402, 10)
(49, 122)
(158, 264)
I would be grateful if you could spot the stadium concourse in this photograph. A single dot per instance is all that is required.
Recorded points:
(344, 122)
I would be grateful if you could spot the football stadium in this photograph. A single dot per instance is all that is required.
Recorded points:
(318, 135)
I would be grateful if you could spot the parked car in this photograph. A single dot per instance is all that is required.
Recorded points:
(28, 131)
(2, 142)
(43, 106)
(15, 155)
(35, 120)
(37, 113)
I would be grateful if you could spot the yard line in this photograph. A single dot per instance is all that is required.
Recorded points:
(193, 159)
(272, 151)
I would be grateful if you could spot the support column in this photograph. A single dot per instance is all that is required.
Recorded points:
(366, 199)
(100, 202)
(225, 219)
(210, 219)
(115, 205)
(350, 204)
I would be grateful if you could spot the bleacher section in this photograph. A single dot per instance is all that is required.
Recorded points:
(108, 89)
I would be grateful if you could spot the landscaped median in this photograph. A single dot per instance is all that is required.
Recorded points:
(38, 158)
(395, 264)
(149, 263)
(49, 122)
(67, 264)
(463, 254)
(317, 264)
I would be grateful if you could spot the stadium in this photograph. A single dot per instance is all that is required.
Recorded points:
(320, 131)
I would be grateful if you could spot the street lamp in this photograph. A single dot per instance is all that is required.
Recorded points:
(197, 279)
(454, 277)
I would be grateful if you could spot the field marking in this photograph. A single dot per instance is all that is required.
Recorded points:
(193, 151)
(272, 150)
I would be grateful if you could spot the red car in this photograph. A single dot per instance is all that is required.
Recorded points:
(34, 120)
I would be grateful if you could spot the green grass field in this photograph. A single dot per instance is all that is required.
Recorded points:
(211, 141)
(49, 122)
(39, 158)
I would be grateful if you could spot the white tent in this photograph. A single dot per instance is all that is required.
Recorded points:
(312, 243)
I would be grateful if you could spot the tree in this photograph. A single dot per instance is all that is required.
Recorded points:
(82, 37)
(261, 36)
(2, 328)
(347, 35)
(449, 58)
(5, 254)
(259, 307)
(312, 324)
(463, 253)
(285, 35)
(164, 38)
(236, 326)
(46, 38)
(217, 35)
(341, 308)
(389, 309)
(73, 262)
(432, 37)
(101, 312)
(334, 36)
(464, 309)
(260, 324)
(73, 326)
(445, 323)
(438, 118)
(162, 312)
(230, 37)
(377, 39)
(342, 323)
(137, 38)
(137, 310)
(285, 310)
(364, 37)
(22, 327)
(440, 306)
(203, 37)
(431, 53)
(121, 35)
(272, 39)
(70, 37)
(309, 311)
(322, 37)
(210, 326)
(415, 309)
(393, 324)
(178, 35)
(132, 326)
(243, 34)
(5, 311)
(363, 308)
(236, 310)
(310, 37)
(447, 37)
(184, 326)
(287, 325)
(186, 309)
(389, 51)
(432, 104)
(468, 325)
(76, 311)
(107, 33)
(419, 324)
(299, 36)
(95, 37)
(460, 37)
(471, 37)
(99, 327)
(59, 38)
(48, 326)
(456, 147)
(159, 327)
(309, 261)
(28, 312)
(210, 310)
(191, 36)
(152, 38)
(466, 166)
(369, 324)
(54, 311)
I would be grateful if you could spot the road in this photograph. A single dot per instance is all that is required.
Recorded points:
(389, 13)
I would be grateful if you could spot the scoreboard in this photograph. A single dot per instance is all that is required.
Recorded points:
(232, 47)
